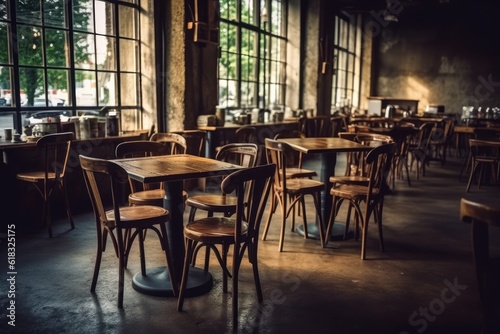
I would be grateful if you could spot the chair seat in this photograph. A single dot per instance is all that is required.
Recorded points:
(350, 179)
(213, 230)
(35, 176)
(303, 186)
(352, 191)
(294, 172)
(218, 203)
(138, 216)
(151, 197)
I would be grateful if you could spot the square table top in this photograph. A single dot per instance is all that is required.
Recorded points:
(176, 167)
(324, 144)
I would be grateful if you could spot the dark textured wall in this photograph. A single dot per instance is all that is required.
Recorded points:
(440, 55)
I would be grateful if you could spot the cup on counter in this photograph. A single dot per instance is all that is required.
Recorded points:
(7, 134)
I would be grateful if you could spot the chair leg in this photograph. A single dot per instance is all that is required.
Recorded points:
(302, 205)
(142, 255)
(471, 176)
(66, 202)
(101, 235)
(252, 253)
(185, 274)
(272, 209)
(225, 249)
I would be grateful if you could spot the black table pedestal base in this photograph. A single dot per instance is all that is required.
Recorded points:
(157, 282)
(337, 233)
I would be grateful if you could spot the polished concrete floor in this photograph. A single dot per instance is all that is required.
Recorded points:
(423, 283)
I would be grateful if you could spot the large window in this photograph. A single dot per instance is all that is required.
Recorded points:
(73, 55)
(253, 45)
(347, 62)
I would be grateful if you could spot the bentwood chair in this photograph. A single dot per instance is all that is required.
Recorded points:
(143, 193)
(55, 149)
(104, 181)
(484, 154)
(243, 154)
(175, 142)
(379, 162)
(241, 231)
(483, 216)
(290, 193)
(294, 157)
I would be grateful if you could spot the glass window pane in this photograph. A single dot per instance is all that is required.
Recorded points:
(107, 89)
(84, 50)
(128, 22)
(129, 89)
(32, 87)
(29, 43)
(59, 83)
(228, 9)
(4, 41)
(55, 48)
(247, 12)
(4, 14)
(106, 53)
(130, 120)
(82, 15)
(28, 12)
(55, 13)
(129, 51)
(5, 90)
(104, 18)
(276, 17)
(6, 120)
(85, 88)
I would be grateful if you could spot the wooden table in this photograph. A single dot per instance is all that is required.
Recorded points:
(172, 170)
(327, 147)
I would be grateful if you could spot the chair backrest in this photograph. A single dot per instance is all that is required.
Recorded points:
(141, 148)
(56, 149)
(354, 160)
(294, 157)
(337, 125)
(373, 139)
(100, 176)
(195, 141)
(275, 155)
(243, 154)
(486, 134)
(246, 134)
(250, 203)
(379, 162)
(316, 126)
(484, 148)
(176, 142)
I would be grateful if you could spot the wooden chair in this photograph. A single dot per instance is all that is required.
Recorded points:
(290, 193)
(483, 216)
(55, 149)
(101, 176)
(246, 134)
(378, 162)
(243, 154)
(419, 150)
(440, 139)
(316, 126)
(175, 142)
(483, 154)
(294, 157)
(143, 194)
(241, 231)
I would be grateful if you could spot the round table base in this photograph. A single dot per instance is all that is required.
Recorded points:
(157, 282)
(337, 233)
